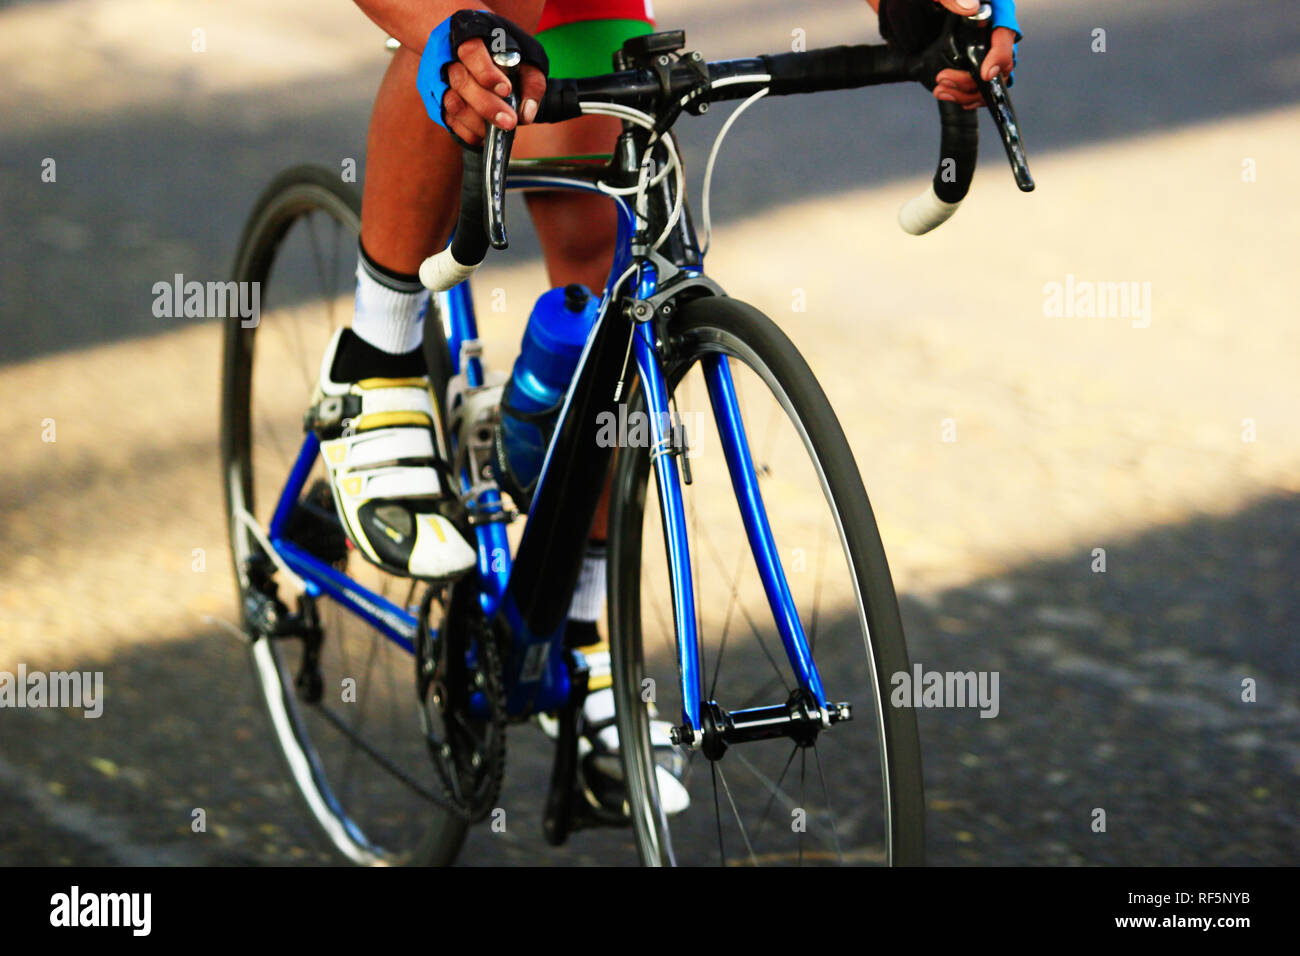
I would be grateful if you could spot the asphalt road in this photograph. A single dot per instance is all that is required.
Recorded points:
(1121, 691)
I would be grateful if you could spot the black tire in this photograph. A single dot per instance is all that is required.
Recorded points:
(750, 339)
(294, 197)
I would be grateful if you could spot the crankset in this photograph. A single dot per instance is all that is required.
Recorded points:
(461, 688)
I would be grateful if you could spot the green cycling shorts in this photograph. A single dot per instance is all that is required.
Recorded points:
(586, 48)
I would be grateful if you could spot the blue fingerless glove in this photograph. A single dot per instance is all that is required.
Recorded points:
(440, 53)
(431, 78)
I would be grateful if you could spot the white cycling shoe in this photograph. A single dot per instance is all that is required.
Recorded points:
(600, 766)
(379, 445)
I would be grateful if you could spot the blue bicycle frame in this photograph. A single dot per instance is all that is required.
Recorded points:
(524, 592)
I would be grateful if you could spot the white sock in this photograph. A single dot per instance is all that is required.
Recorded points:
(390, 309)
(589, 595)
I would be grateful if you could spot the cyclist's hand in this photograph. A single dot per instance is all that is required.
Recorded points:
(957, 86)
(477, 86)
(911, 25)
(463, 90)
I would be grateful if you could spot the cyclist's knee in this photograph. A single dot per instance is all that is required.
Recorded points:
(577, 234)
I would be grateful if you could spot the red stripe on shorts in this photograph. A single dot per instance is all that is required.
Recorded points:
(559, 12)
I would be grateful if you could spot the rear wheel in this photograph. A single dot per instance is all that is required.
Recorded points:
(853, 793)
(342, 703)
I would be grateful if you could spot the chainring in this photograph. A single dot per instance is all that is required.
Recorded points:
(459, 675)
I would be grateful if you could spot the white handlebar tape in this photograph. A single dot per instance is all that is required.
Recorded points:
(441, 272)
(918, 216)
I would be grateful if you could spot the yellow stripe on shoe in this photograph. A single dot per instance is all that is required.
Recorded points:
(393, 383)
(379, 444)
(391, 420)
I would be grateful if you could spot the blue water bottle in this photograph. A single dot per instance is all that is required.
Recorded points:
(553, 341)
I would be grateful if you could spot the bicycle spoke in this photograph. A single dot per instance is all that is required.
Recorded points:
(272, 435)
(291, 321)
(769, 436)
(773, 791)
(390, 766)
(717, 811)
(726, 628)
(666, 632)
(763, 693)
(332, 295)
(826, 794)
(361, 689)
(736, 813)
(748, 619)
(817, 591)
(803, 803)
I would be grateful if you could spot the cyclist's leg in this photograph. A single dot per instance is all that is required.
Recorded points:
(372, 409)
(391, 511)
(409, 202)
(578, 230)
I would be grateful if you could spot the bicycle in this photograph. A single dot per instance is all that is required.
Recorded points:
(470, 658)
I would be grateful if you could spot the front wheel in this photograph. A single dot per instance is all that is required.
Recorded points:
(853, 793)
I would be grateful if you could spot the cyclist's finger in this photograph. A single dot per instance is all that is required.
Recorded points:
(487, 105)
(957, 79)
(1001, 57)
(465, 119)
(474, 54)
(964, 7)
(461, 129)
(954, 86)
(968, 100)
(533, 83)
(950, 94)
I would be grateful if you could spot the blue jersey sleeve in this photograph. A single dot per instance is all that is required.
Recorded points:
(1004, 15)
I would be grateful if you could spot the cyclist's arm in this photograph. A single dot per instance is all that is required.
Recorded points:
(477, 85)
(958, 87)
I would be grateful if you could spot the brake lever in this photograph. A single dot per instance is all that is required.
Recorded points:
(496, 155)
(1004, 117)
(963, 46)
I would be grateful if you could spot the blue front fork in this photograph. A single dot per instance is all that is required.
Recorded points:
(744, 480)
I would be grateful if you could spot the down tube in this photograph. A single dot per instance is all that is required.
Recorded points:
(674, 521)
(735, 445)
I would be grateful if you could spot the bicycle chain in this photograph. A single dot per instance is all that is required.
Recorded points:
(470, 790)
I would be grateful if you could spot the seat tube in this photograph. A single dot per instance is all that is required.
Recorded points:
(673, 511)
(744, 481)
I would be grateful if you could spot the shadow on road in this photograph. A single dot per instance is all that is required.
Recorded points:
(1119, 690)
